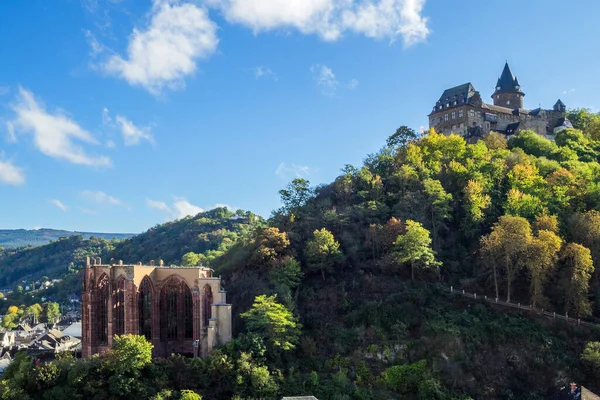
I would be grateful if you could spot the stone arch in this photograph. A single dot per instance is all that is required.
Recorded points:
(145, 294)
(101, 308)
(119, 306)
(207, 301)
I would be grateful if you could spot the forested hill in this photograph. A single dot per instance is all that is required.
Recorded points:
(188, 241)
(11, 238)
(202, 237)
(363, 263)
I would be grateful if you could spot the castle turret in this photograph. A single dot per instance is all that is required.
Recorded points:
(508, 90)
(559, 106)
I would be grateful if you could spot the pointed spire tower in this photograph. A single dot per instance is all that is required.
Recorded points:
(508, 90)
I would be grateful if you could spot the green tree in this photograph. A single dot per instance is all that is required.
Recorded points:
(401, 137)
(190, 259)
(414, 248)
(272, 321)
(51, 312)
(189, 395)
(322, 252)
(295, 195)
(542, 256)
(34, 311)
(476, 201)
(591, 356)
(439, 206)
(507, 246)
(578, 268)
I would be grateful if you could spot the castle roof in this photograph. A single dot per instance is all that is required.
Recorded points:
(464, 92)
(559, 103)
(508, 83)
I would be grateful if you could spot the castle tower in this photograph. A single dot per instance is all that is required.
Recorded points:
(508, 90)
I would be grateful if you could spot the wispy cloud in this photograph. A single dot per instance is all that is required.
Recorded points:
(11, 174)
(133, 134)
(180, 208)
(54, 134)
(353, 84)
(568, 91)
(100, 197)
(325, 79)
(164, 53)
(264, 72)
(296, 171)
(330, 19)
(60, 205)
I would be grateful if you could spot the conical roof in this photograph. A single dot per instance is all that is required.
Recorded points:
(508, 83)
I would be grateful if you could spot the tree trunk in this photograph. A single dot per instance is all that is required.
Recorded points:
(508, 287)
(412, 270)
(495, 279)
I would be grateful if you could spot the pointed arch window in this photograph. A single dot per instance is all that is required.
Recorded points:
(119, 306)
(188, 311)
(145, 308)
(102, 292)
(208, 300)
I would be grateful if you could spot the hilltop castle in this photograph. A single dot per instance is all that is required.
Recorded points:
(460, 110)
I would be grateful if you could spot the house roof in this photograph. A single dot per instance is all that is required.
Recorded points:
(511, 128)
(508, 83)
(564, 122)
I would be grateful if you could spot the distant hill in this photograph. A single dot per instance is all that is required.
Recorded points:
(11, 238)
(205, 236)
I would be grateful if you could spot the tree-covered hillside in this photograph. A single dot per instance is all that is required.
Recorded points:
(202, 237)
(343, 293)
(515, 220)
(206, 236)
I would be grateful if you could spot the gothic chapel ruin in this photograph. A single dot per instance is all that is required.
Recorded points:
(178, 309)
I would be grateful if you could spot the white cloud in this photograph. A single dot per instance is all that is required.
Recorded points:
(296, 171)
(353, 84)
(131, 133)
(264, 72)
(325, 79)
(37, 228)
(10, 174)
(159, 205)
(60, 205)
(181, 208)
(100, 197)
(165, 53)
(4, 90)
(568, 91)
(54, 133)
(96, 47)
(330, 19)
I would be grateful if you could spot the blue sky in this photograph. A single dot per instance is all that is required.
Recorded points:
(116, 115)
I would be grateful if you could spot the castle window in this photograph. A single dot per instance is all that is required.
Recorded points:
(453, 114)
(454, 102)
(507, 102)
(445, 117)
(497, 97)
(498, 88)
(460, 113)
(472, 114)
(447, 105)
(462, 125)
